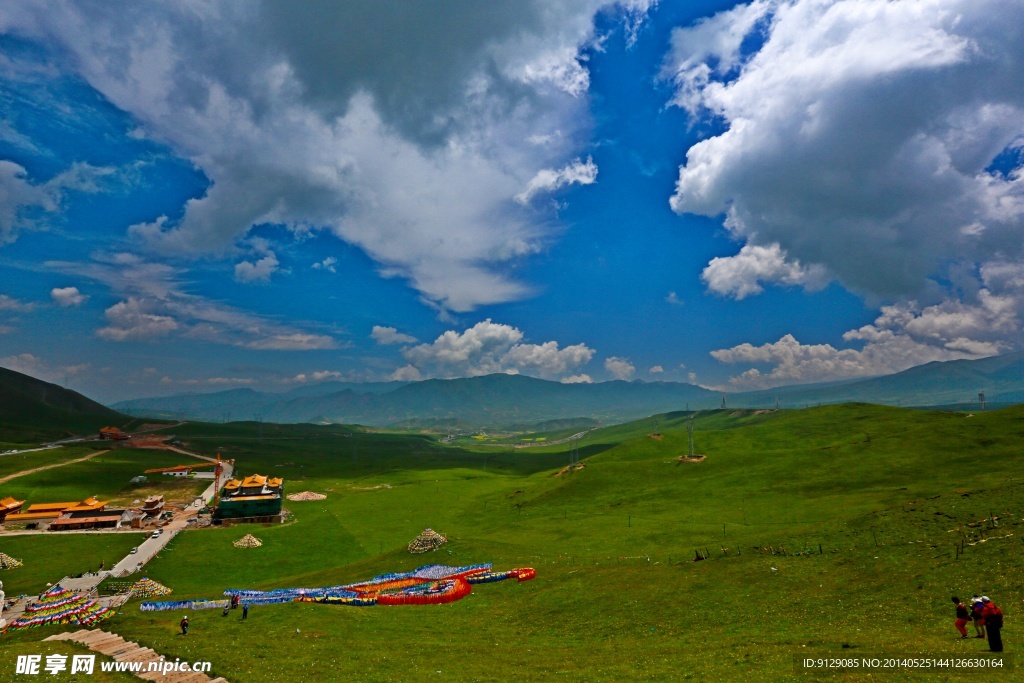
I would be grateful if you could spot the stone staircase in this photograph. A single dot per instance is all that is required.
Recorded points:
(120, 650)
(83, 584)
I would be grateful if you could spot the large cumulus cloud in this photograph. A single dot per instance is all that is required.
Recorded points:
(399, 127)
(859, 135)
(487, 348)
(858, 144)
(903, 335)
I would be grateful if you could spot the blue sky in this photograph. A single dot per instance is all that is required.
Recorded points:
(737, 195)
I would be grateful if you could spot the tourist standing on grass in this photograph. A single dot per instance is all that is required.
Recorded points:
(245, 611)
(184, 625)
(979, 621)
(993, 624)
(962, 616)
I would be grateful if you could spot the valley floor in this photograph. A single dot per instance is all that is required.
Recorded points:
(829, 532)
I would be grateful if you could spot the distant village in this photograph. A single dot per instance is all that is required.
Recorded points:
(255, 498)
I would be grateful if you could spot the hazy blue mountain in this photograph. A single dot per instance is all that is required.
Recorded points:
(324, 388)
(949, 383)
(501, 400)
(489, 400)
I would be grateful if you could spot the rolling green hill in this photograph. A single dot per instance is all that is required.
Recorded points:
(831, 531)
(31, 409)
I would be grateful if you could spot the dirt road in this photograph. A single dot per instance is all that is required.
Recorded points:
(25, 473)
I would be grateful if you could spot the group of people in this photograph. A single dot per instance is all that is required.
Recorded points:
(987, 618)
(234, 604)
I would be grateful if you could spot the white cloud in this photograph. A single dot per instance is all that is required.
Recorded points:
(68, 296)
(673, 299)
(489, 347)
(327, 264)
(856, 139)
(154, 304)
(16, 195)
(129, 321)
(9, 303)
(25, 363)
(223, 381)
(656, 370)
(577, 379)
(260, 271)
(318, 376)
(390, 335)
(210, 381)
(291, 341)
(34, 366)
(25, 204)
(903, 335)
(741, 275)
(620, 368)
(408, 373)
(397, 128)
(548, 180)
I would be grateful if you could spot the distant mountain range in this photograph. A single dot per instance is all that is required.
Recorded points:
(506, 400)
(950, 383)
(492, 400)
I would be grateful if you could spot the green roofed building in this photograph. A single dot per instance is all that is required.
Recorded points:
(256, 496)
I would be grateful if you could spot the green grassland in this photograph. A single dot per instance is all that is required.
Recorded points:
(867, 501)
(12, 463)
(107, 476)
(49, 558)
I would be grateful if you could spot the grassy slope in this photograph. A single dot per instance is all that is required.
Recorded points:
(107, 476)
(32, 410)
(617, 597)
(47, 559)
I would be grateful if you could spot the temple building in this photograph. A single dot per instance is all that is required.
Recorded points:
(153, 506)
(9, 506)
(256, 497)
(90, 513)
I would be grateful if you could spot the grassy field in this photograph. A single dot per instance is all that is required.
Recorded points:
(107, 476)
(867, 502)
(12, 463)
(49, 558)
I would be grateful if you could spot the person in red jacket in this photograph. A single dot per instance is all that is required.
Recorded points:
(993, 624)
(962, 617)
(977, 607)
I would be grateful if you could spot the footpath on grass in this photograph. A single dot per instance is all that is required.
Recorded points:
(24, 473)
(144, 552)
